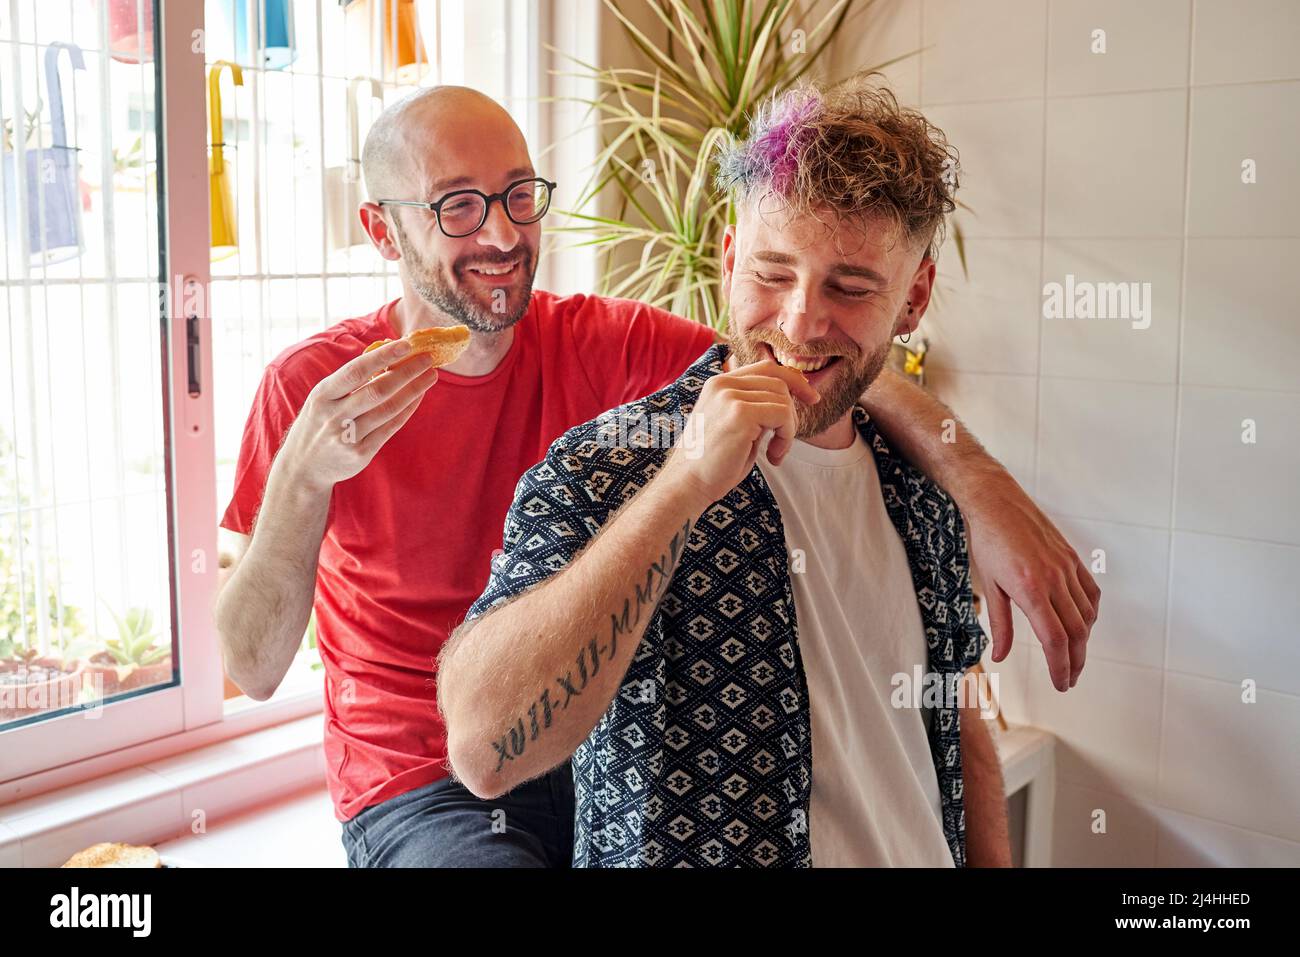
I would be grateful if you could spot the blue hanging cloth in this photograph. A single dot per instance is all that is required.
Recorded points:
(53, 193)
(277, 49)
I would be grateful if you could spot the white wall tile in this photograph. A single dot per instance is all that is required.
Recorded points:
(1137, 348)
(1131, 625)
(1105, 449)
(1107, 725)
(989, 321)
(1187, 841)
(1232, 124)
(1229, 761)
(999, 409)
(1107, 170)
(1228, 487)
(1128, 838)
(1000, 178)
(1236, 41)
(1146, 45)
(888, 29)
(1115, 165)
(1240, 326)
(983, 51)
(1235, 607)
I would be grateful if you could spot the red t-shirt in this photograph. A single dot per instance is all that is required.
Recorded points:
(409, 540)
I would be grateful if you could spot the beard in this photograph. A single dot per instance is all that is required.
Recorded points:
(430, 285)
(848, 378)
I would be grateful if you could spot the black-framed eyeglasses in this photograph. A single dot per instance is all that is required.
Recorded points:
(464, 211)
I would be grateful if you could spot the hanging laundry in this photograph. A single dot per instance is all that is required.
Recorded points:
(225, 231)
(53, 196)
(269, 20)
(130, 30)
(390, 31)
(343, 187)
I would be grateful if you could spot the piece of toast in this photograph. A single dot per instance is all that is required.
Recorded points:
(442, 344)
(115, 855)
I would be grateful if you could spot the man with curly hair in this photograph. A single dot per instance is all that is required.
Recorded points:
(747, 623)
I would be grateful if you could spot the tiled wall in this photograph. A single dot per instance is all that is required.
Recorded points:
(1126, 166)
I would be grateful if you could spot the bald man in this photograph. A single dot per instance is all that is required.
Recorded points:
(380, 501)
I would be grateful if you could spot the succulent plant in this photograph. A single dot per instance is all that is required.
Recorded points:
(136, 643)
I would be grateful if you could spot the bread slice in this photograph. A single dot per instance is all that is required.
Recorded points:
(115, 855)
(443, 344)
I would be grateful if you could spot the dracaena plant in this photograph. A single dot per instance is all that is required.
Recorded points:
(650, 205)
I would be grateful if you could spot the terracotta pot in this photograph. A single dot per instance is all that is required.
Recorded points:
(229, 688)
(103, 667)
(113, 679)
(42, 684)
(158, 673)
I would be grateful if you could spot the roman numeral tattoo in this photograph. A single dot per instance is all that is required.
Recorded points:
(623, 623)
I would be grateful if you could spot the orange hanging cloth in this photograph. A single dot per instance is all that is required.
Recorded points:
(392, 29)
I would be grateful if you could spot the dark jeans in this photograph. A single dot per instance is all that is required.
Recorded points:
(444, 825)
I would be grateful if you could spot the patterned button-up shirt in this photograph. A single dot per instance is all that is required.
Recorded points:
(704, 757)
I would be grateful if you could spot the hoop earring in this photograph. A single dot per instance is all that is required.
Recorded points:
(909, 312)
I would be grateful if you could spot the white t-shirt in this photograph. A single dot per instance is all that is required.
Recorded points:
(875, 796)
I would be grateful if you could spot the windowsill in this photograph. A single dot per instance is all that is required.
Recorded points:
(155, 791)
(263, 803)
(298, 830)
(241, 716)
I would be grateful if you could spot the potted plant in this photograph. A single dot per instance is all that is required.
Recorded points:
(135, 658)
(53, 201)
(657, 219)
(31, 683)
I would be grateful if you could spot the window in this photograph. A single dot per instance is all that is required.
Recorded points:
(131, 342)
(88, 613)
(293, 130)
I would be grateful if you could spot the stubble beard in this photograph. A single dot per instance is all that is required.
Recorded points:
(430, 285)
(851, 376)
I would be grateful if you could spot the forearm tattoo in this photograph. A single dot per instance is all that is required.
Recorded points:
(622, 624)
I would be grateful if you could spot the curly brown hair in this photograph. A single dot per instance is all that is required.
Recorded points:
(849, 148)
